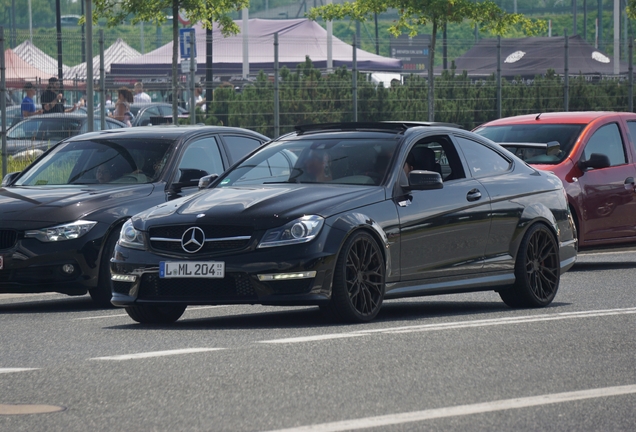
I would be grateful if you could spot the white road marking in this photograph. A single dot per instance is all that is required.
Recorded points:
(157, 354)
(27, 296)
(312, 338)
(10, 370)
(462, 324)
(462, 410)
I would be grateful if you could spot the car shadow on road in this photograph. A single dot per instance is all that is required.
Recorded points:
(402, 312)
(46, 304)
(599, 265)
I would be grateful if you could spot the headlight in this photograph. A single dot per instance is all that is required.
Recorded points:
(301, 230)
(68, 231)
(131, 238)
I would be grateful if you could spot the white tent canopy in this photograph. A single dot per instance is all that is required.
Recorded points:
(39, 59)
(298, 39)
(118, 52)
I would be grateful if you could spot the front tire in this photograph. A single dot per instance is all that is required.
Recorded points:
(358, 283)
(537, 270)
(102, 293)
(155, 314)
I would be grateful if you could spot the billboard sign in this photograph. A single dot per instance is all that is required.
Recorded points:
(413, 51)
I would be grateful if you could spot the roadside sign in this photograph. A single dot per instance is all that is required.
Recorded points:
(183, 19)
(185, 36)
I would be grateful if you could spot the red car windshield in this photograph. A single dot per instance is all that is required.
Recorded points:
(564, 134)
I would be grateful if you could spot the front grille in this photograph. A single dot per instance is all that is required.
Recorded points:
(225, 232)
(8, 238)
(232, 286)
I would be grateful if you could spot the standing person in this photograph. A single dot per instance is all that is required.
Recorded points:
(122, 106)
(53, 100)
(140, 95)
(28, 106)
(198, 96)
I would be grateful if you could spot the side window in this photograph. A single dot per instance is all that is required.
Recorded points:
(437, 154)
(606, 141)
(201, 157)
(238, 146)
(144, 120)
(631, 125)
(482, 160)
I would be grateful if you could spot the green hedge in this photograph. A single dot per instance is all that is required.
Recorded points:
(307, 96)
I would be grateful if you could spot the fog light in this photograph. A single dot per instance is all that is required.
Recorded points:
(68, 268)
(286, 276)
(123, 278)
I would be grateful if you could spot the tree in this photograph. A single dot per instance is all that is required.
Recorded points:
(208, 12)
(415, 13)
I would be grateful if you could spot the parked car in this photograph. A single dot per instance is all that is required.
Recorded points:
(42, 131)
(593, 154)
(14, 115)
(327, 216)
(60, 217)
(145, 112)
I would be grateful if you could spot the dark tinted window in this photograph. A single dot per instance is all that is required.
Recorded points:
(631, 125)
(606, 141)
(202, 155)
(238, 146)
(482, 160)
(564, 134)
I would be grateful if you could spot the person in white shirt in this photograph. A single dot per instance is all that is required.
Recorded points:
(140, 95)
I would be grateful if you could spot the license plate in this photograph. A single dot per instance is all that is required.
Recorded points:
(192, 269)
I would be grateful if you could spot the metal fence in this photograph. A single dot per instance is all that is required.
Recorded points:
(274, 98)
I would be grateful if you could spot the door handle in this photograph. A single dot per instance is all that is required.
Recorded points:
(473, 195)
(629, 180)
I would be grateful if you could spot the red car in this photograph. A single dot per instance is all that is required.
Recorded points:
(593, 154)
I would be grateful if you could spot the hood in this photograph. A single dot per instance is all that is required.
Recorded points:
(264, 206)
(30, 207)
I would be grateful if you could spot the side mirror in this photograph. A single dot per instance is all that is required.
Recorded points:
(206, 181)
(553, 148)
(596, 161)
(8, 179)
(189, 177)
(425, 180)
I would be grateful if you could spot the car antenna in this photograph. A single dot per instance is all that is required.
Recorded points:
(538, 115)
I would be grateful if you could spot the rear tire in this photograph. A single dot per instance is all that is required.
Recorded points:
(155, 314)
(358, 282)
(537, 270)
(102, 293)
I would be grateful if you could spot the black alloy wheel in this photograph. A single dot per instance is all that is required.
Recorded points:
(358, 284)
(537, 270)
(102, 293)
(155, 314)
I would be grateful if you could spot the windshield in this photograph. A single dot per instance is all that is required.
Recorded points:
(335, 161)
(100, 161)
(564, 134)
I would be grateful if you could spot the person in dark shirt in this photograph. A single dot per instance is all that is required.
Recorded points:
(53, 100)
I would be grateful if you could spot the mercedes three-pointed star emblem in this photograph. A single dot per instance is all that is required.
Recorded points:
(193, 240)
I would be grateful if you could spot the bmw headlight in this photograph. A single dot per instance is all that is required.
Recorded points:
(130, 237)
(301, 230)
(69, 231)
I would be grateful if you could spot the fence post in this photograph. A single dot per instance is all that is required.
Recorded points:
(631, 72)
(431, 113)
(276, 90)
(102, 82)
(498, 76)
(193, 106)
(566, 82)
(354, 81)
(3, 103)
(90, 110)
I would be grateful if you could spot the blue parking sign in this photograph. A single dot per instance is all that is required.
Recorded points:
(185, 36)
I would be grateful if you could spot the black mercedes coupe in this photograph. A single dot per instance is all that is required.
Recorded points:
(60, 217)
(343, 216)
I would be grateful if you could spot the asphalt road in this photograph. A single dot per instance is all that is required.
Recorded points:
(447, 363)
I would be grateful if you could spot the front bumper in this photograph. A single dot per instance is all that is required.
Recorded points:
(241, 284)
(68, 267)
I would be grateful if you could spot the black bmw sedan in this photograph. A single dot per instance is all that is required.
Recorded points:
(60, 218)
(344, 216)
